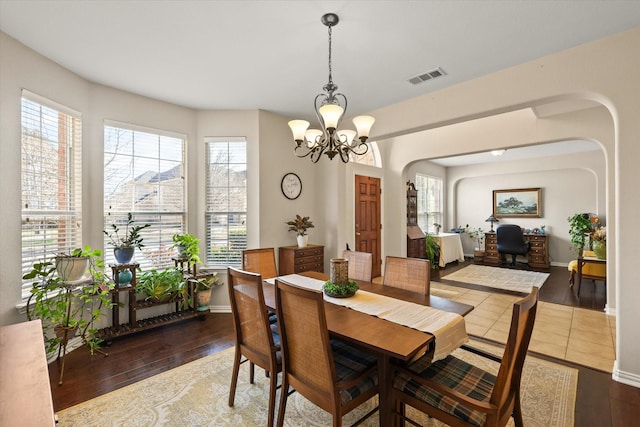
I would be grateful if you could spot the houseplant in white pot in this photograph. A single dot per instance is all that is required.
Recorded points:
(300, 225)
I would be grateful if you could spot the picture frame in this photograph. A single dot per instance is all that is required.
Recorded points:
(517, 203)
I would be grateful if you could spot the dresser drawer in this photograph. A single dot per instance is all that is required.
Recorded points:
(297, 260)
(308, 252)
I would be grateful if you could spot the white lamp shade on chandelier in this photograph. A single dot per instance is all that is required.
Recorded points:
(330, 110)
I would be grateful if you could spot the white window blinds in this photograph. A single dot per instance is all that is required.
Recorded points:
(430, 202)
(226, 200)
(51, 181)
(144, 175)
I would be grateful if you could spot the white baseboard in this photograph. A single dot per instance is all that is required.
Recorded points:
(220, 308)
(625, 377)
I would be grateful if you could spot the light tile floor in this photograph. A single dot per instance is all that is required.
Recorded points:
(578, 335)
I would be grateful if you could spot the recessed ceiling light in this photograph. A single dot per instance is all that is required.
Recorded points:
(497, 152)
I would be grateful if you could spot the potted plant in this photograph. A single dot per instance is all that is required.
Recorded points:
(599, 242)
(72, 266)
(161, 285)
(477, 235)
(580, 225)
(124, 246)
(300, 225)
(188, 247)
(432, 252)
(69, 308)
(203, 286)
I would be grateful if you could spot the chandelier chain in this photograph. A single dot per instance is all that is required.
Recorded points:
(330, 77)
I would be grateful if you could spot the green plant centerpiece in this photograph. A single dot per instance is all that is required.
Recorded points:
(188, 247)
(124, 246)
(65, 308)
(340, 291)
(580, 225)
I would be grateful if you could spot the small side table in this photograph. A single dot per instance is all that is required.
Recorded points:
(582, 260)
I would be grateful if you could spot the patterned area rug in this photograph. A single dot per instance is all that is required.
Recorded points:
(500, 278)
(196, 394)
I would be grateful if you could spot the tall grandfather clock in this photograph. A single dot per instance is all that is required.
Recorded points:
(415, 236)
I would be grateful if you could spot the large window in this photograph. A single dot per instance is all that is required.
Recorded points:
(51, 181)
(144, 175)
(430, 202)
(226, 200)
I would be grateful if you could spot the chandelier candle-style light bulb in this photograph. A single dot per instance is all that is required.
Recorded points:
(330, 107)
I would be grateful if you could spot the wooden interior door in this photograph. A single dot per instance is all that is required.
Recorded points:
(367, 220)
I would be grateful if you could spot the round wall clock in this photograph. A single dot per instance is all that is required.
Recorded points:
(291, 186)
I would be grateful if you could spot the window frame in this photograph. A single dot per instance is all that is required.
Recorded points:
(431, 216)
(57, 213)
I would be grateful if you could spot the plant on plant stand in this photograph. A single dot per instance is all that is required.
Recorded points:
(67, 308)
(124, 246)
(189, 249)
(163, 285)
(300, 225)
(203, 286)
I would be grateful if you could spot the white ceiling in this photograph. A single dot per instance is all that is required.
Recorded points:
(272, 55)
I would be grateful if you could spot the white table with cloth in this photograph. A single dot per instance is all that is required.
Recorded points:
(450, 248)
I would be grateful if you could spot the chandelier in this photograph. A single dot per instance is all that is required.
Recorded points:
(329, 110)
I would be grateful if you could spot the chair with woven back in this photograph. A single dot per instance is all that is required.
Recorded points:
(460, 394)
(261, 261)
(257, 339)
(360, 265)
(330, 373)
(412, 274)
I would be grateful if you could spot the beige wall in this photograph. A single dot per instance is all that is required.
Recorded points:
(327, 189)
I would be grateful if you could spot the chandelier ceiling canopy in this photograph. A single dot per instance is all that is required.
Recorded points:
(330, 107)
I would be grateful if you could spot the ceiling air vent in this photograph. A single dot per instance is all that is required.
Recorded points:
(429, 75)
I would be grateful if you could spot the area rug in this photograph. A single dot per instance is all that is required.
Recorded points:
(499, 278)
(196, 394)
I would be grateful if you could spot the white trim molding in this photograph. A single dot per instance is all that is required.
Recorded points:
(625, 377)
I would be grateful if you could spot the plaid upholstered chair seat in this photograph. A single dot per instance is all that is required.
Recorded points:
(455, 374)
(460, 394)
(350, 363)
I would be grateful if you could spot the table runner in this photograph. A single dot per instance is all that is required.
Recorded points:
(447, 328)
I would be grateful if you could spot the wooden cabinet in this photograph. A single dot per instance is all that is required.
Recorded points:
(416, 240)
(538, 256)
(296, 260)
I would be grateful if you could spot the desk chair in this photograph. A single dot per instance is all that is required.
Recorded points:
(257, 338)
(360, 265)
(510, 240)
(412, 274)
(328, 372)
(460, 394)
(261, 261)
(590, 269)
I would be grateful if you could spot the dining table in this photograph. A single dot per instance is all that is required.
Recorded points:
(386, 339)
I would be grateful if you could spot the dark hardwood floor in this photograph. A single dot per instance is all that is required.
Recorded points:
(600, 400)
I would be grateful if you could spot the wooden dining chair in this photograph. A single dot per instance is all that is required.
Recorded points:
(257, 339)
(261, 261)
(360, 265)
(412, 274)
(460, 394)
(330, 373)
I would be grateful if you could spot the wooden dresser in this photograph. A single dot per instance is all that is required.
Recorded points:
(537, 258)
(296, 260)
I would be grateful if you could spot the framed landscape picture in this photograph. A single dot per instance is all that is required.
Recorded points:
(519, 203)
